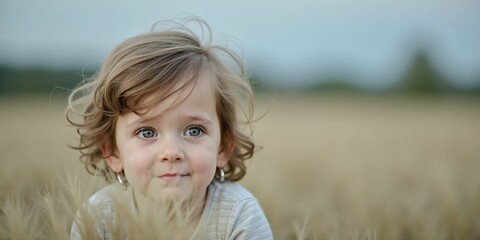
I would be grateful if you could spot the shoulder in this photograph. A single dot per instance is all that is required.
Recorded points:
(105, 201)
(237, 212)
(96, 213)
(232, 198)
(230, 191)
(100, 206)
(104, 196)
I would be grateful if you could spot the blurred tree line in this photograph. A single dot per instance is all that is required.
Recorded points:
(421, 78)
(18, 81)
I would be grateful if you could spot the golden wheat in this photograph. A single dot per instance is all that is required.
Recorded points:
(331, 168)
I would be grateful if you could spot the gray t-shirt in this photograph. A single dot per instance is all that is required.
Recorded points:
(230, 212)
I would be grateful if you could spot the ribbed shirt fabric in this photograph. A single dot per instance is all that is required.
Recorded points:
(230, 212)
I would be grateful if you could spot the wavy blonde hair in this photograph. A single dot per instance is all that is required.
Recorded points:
(155, 61)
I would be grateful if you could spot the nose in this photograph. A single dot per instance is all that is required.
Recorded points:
(171, 150)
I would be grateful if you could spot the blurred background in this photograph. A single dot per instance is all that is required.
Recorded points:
(363, 45)
(372, 125)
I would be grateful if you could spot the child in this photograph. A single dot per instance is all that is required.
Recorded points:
(160, 117)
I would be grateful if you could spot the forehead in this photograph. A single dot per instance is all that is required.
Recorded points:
(189, 89)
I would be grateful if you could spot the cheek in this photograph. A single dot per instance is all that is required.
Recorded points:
(204, 161)
(136, 164)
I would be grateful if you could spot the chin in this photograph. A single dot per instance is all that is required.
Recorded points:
(170, 195)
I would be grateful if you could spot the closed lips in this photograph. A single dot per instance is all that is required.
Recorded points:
(170, 175)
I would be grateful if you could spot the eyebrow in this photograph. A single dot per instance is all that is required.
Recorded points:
(199, 118)
(139, 121)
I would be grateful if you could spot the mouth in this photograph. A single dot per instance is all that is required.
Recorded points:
(173, 176)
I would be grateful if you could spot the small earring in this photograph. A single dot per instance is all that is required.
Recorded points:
(222, 175)
(123, 182)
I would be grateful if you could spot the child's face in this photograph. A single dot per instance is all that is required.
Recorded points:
(172, 151)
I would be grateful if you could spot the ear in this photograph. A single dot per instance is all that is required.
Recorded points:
(111, 156)
(226, 152)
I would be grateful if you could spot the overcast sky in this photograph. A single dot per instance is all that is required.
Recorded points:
(286, 41)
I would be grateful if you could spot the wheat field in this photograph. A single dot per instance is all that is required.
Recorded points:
(331, 167)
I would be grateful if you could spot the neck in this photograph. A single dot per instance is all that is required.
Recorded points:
(188, 210)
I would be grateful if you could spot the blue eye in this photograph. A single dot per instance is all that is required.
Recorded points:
(146, 133)
(194, 131)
